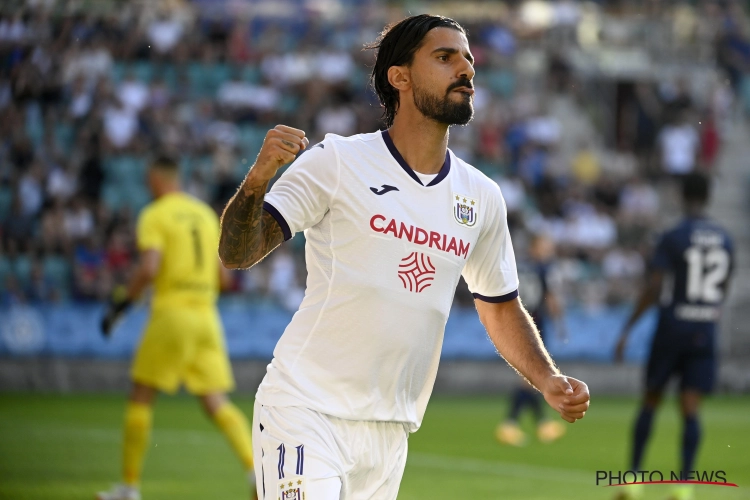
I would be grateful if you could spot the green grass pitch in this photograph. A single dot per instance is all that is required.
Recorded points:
(68, 447)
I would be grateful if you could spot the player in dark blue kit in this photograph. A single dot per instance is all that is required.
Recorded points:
(689, 278)
(538, 291)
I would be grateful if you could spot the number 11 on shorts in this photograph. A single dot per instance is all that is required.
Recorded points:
(291, 488)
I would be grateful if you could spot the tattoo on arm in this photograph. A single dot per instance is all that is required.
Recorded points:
(248, 233)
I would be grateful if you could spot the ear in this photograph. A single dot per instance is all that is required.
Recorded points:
(399, 77)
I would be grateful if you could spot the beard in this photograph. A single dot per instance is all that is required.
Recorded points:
(444, 110)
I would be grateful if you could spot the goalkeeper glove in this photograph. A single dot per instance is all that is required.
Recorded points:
(116, 306)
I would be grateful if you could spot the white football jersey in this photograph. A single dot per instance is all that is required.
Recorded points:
(384, 254)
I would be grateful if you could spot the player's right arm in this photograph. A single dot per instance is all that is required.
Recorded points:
(248, 233)
(150, 237)
(661, 262)
(648, 297)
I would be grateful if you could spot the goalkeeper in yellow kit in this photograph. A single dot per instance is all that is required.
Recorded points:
(183, 341)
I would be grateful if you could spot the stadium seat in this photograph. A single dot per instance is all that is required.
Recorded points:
(288, 104)
(502, 81)
(358, 79)
(203, 163)
(251, 139)
(58, 270)
(6, 201)
(218, 74)
(199, 79)
(134, 195)
(118, 72)
(5, 269)
(251, 74)
(186, 166)
(125, 169)
(34, 126)
(64, 136)
(21, 267)
(111, 195)
(144, 71)
(169, 74)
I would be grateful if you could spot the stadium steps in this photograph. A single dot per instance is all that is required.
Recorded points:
(729, 206)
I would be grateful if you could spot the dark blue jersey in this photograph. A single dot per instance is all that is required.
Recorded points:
(696, 257)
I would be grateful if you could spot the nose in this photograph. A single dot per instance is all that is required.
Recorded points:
(467, 70)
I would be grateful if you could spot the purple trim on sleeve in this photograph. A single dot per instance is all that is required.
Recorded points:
(496, 300)
(280, 219)
(446, 168)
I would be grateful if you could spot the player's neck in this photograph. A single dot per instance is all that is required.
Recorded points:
(420, 141)
(694, 210)
(165, 190)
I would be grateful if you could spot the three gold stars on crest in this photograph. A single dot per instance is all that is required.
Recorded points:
(464, 200)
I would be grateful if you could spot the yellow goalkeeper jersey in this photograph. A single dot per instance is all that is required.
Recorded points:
(186, 232)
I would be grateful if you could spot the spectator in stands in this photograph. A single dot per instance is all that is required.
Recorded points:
(31, 191)
(54, 235)
(679, 144)
(78, 220)
(120, 125)
(164, 33)
(61, 183)
(133, 93)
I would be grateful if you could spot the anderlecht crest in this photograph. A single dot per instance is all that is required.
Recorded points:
(465, 210)
(292, 489)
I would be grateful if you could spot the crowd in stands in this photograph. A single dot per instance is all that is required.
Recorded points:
(88, 97)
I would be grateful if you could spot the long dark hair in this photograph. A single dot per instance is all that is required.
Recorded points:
(396, 46)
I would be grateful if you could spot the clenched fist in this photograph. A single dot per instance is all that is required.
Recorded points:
(280, 147)
(568, 396)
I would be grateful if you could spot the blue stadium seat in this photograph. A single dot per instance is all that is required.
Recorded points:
(218, 74)
(251, 74)
(288, 104)
(118, 72)
(135, 196)
(502, 81)
(125, 169)
(144, 71)
(34, 127)
(21, 267)
(58, 270)
(169, 74)
(111, 195)
(251, 139)
(199, 78)
(6, 201)
(744, 92)
(358, 79)
(203, 164)
(186, 166)
(5, 270)
(64, 136)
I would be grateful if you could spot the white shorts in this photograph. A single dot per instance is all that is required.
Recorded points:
(298, 450)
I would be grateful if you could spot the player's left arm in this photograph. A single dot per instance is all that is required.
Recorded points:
(517, 339)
